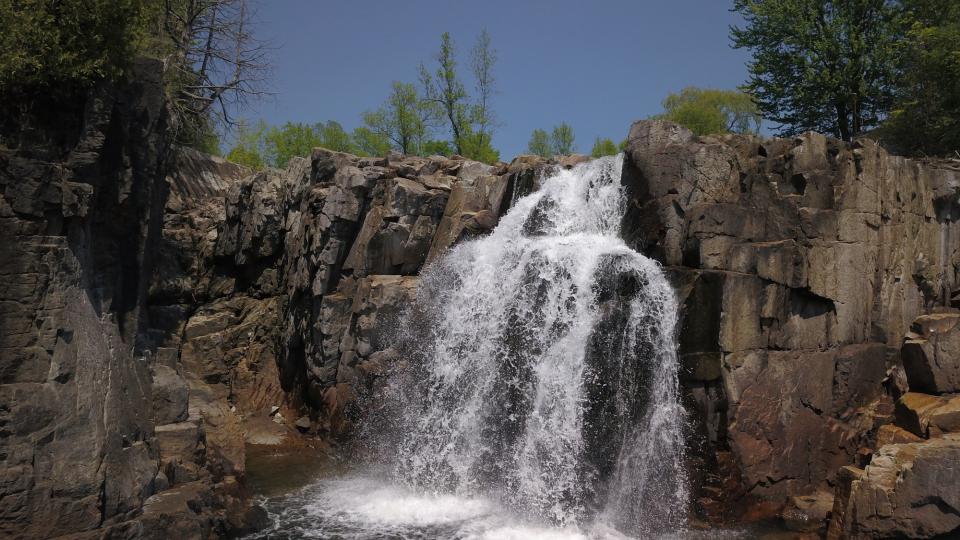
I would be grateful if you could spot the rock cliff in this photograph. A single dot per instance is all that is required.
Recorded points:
(100, 436)
(801, 265)
(160, 309)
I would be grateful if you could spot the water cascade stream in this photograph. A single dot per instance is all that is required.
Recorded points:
(539, 392)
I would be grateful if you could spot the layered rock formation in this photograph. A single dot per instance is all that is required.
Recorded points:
(99, 436)
(161, 309)
(801, 265)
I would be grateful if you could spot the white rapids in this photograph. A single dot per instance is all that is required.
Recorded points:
(538, 393)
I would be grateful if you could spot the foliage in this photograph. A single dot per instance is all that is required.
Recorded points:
(825, 65)
(45, 44)
(290, 140)
(333, 137)
(249, 148)
(926, 119)
(369, 142)
(445, 90)
(540, 144)
(483, 57)
(437, 148)
(562, 140)
(707, 111)
(476, 145)
(470, 119)
(405, 118)
(604, 147)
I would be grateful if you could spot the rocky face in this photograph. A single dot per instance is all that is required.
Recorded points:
(162, 309)
(101, 433)
(801, 266)
(337, 241)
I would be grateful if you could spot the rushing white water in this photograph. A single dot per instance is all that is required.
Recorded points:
(537, 396)
(543, 369)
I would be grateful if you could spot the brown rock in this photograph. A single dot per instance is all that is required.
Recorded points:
(908, 490)
(931, 357)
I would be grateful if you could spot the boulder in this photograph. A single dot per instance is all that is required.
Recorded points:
(909, 490)
(928, 416)
(931, 354)
(170, 396)
(808, 513)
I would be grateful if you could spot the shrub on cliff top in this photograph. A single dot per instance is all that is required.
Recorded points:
(51, 43)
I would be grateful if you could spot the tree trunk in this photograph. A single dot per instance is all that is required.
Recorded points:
(843, 122)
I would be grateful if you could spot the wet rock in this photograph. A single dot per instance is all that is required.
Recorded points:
(808, 513)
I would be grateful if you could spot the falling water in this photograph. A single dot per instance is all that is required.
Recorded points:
(543, 367)
(537, 392)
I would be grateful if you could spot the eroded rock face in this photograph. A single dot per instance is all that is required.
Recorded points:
(287, 295)
(77, 236)
(909, 490)
(800, 264)
(931, 354)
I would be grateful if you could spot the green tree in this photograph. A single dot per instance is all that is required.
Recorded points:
(562, 140)
(483, 58)
(334, 137)
(926, 118)
(45, 44)
(707, 111)
(540, 144)
(437, 148)
(604, 147)
(369, 142)
(446, 92)
(405, 118)
(477, 146)
(825, 65)
(249, 148)
(290, 140)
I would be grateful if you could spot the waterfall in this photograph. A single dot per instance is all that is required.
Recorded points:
(539, 366)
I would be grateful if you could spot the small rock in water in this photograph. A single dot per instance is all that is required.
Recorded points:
(274, 410)
(303, 423)
(278, 418)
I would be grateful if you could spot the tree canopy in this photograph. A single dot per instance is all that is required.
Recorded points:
(708, 111)
(926, 116)
(46, 43)
(824, 65)
(604, 147)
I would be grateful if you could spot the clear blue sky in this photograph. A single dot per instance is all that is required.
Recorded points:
(596, 65)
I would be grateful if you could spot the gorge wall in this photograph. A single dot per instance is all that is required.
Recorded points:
(161, 309)
(802, 266)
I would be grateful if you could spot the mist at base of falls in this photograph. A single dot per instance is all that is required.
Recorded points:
(535, 392)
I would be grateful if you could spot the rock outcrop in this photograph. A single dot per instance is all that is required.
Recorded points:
(101, 433)
(336, 242)
(801, 264)
(161, 309)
